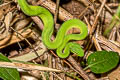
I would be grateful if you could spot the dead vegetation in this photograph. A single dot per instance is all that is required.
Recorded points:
(20, 36)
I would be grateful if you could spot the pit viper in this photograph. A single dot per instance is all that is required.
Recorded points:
(62, 43)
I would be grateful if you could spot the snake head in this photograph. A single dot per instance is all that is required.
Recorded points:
(76, 48)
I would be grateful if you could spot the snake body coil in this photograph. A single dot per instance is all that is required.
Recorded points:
(62, 38)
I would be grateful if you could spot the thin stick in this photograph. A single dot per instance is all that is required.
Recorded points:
(79, 68)
(97, 16)
(63, 14)
(56, 11)
(84, 11)
(107, 7)
(26, 41)
(26, 66)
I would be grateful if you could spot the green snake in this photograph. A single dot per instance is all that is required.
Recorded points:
(61, 42)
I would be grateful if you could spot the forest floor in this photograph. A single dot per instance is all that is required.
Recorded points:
(20, 38)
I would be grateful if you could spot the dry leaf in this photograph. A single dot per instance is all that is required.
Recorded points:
(3, 9)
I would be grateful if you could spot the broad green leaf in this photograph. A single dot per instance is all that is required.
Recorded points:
(102, 61)
(8, 73)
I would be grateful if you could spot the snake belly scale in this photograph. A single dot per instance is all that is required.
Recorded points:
(62, 41)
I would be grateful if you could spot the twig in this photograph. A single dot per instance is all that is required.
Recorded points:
(97, 45)
(89, 44)
(79, 68)
(38, 22)
(26, 66)
(29, 56)
(57, 76)
(50, 64)
(113, 4)
(15, 39)
(97, 16)
(87, 3)
(43, 76)
(56, 11)
(108, 43)
(84, 11)
(63, 14)
(107, 7)
(27, 42)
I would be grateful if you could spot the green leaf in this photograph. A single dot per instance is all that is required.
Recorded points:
(102, 61)
(8, 73)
